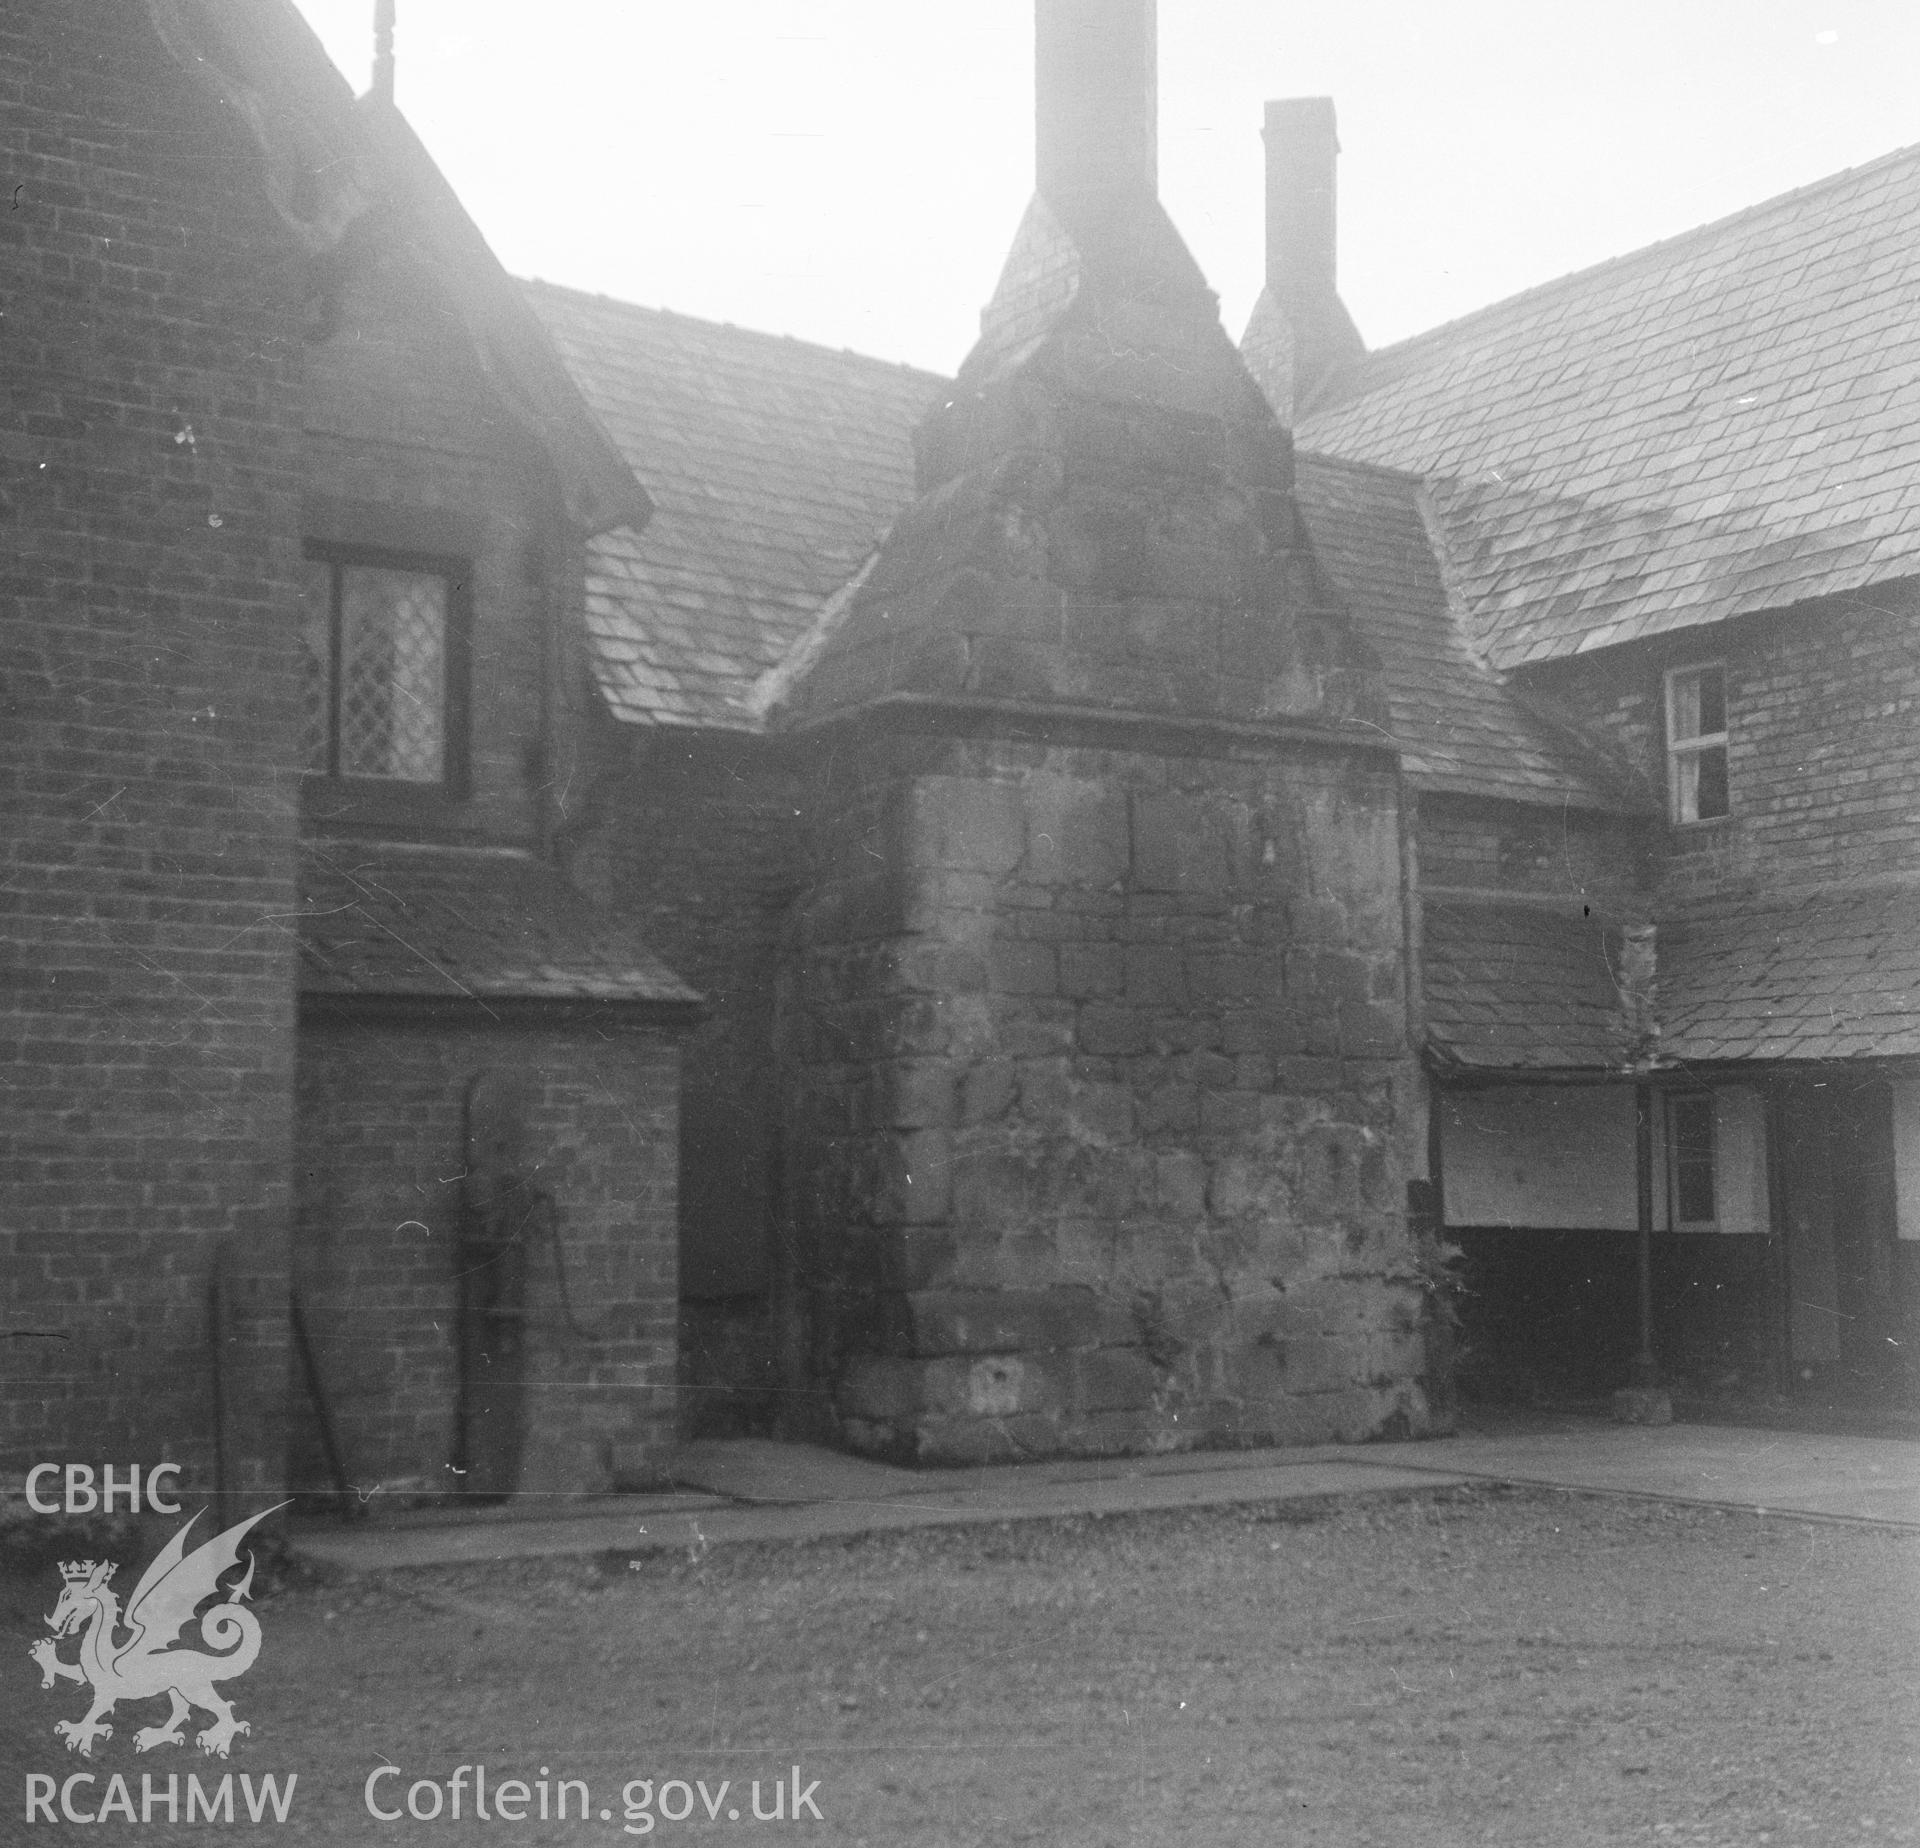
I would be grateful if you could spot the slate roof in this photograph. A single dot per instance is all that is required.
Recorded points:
(1517, 987)
(1464, 731)
(388, 919)
(1725, 422)
(775, 467)
(1834, 976)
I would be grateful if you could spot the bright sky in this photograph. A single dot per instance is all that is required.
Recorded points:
(851, 171)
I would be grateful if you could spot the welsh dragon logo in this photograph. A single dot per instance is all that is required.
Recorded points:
(146, 1664)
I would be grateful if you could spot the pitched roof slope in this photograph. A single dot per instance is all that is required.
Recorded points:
(535, 388)
(1520, 987)
(340, 172)
(1725, 422)
(1832, 976)
(1510, 987)
(1463, 730)
(774, 466)
(448, 924)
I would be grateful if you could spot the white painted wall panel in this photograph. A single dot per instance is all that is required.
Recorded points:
(1906, 1156)
(1553, 1157)
(1740, 1160)
(1561, 1158)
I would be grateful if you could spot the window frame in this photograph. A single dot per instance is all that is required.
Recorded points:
(457, 574)
(1697, 746)
(1675, 1101)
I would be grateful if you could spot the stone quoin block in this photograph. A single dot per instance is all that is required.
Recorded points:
(1018, 968)
(920, 1094)
(1002, 1321)
(1076, 832)
(915, 1183)
(1114, 1379)
(1106, 1031)
(1176, 845)
(1180, 1184)
(967, 826)
(988, 1089)
(1026, 1260)
(1156, 977)
(1091, 971)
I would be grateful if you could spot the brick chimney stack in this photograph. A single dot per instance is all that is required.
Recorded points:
(1302, 150)
(1095, 73)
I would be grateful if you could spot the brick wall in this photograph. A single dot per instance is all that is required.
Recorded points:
(1824, 778)
(149, 439)
(413, 448)
(381, 1152)
(1536, 849)
(697, 838)
(1823, 707)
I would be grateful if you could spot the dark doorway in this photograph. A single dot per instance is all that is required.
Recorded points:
(1846, 1321)
(1860, 1129)
(1545, 1316)
(502, 1212)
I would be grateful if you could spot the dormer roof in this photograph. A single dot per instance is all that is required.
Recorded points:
(342, 173)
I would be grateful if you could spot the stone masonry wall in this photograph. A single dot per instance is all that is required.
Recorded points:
(149, 455)
(381, 1152)
(1096, 999)
(1102, 1066)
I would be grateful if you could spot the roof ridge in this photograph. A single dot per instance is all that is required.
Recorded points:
(733, 327)
(1661, 246)
(1325, 458)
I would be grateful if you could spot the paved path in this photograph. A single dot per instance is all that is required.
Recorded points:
(1782, 1472)
(756, 1490)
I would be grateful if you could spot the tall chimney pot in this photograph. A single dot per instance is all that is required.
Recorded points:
(1094, 94)
(1302, 149)
(383, 50)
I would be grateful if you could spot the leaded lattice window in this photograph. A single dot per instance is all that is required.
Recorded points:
(378, 639)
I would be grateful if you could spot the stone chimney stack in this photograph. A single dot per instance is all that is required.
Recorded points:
(1301, 336)
(1302, 149)
(1092, 1010)
(383, 50)
(1096, 113)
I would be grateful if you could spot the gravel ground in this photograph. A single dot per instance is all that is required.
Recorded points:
(1468, 1666)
